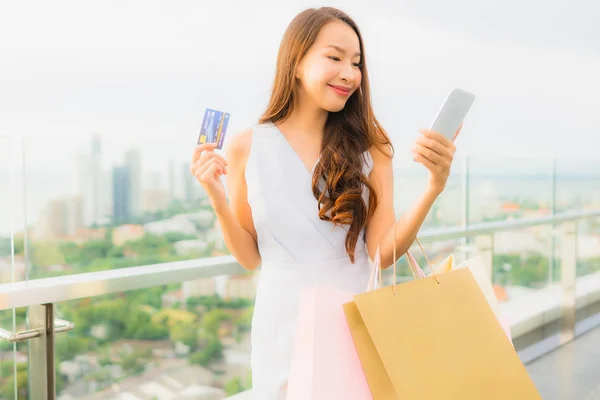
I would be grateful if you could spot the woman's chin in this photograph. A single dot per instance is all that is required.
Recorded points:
(333, 106)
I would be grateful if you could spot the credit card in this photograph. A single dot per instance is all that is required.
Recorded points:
(213, 127)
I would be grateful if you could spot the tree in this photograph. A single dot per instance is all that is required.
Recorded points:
(212, 351)
(6, 246)
(211, 321)
(94, 250)
(234, 386)
(173, 237)
(244, 320)
(67, 347)
(139, 325)
(526, 270)
(8, 389)
(116, 252)
(46, 253)
(71, 252)
(135, 362)
(170, 317)
(149, 245)
(186, 333)
(150, 296)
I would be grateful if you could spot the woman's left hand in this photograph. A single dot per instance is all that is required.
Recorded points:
(436, 153)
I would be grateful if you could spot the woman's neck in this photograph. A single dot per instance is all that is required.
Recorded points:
(307, 119)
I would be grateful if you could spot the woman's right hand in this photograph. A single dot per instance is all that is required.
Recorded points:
(207, 167)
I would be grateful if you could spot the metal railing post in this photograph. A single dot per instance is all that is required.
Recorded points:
(485, 246)
(41, 353)
(567, 278)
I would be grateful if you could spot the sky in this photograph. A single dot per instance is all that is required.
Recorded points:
(145, 70)
(141, 73)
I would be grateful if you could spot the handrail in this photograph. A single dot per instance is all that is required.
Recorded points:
(506, 225)
(75, 286)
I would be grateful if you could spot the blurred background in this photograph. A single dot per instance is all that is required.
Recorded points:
(100, 109)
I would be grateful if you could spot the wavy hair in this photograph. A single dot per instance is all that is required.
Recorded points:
(338, 180)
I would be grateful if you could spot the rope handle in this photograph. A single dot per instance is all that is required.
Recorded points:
(377, 263)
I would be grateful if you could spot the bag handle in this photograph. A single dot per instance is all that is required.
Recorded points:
(377, 263)
(374, 268)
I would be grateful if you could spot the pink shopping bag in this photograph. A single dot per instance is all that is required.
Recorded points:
(325, 365)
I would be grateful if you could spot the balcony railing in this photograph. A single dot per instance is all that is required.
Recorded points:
(40, 295)
(138, 306)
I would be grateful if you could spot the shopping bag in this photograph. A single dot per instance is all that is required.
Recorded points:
(435, 338)
(324, 364)
(477, 268)
(475, 264)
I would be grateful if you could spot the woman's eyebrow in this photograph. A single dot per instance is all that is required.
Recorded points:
(341, 50)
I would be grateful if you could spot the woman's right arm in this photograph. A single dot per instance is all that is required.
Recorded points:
(235, 218)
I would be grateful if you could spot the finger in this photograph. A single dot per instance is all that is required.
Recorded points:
(201, 148)
(457, 132)
(430, 155)
(200, 167)
(435, 146)
(210, 155)
(427, 163)
(201, 172)
(215, 158)
(437, 136)
(209, 174)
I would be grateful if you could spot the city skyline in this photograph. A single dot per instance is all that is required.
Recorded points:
(99, 191)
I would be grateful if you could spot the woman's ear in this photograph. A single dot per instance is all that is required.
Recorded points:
(298, 73)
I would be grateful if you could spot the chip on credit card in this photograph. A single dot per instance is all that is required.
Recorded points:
(213, 127)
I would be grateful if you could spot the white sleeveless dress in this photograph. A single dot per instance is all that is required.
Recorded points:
(298, 250)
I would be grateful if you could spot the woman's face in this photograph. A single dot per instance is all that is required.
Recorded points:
(330, 71)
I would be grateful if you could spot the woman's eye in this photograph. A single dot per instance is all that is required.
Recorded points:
(334, 58)
(357, 65)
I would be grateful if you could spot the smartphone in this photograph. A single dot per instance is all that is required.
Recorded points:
(453, 112)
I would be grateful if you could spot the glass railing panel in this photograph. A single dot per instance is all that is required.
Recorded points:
(588, 247)
(525, 280)
(112, 204)
(410, 181)
(174, 339)
(503, 188)
(13, 367)
(7, 199)
(577, 183)
(14, 359)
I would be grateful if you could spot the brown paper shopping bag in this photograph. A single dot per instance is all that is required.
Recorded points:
(435, 338)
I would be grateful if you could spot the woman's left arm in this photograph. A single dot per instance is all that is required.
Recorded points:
(436, 153)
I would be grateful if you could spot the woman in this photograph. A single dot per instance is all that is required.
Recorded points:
(310, 186)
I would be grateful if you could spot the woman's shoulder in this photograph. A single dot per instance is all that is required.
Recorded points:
(378, 156)
(240, 144)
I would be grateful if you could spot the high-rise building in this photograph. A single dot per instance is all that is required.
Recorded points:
(192, 188)
(154, 180)
(60, 218)
(154, 200)
(133, 161)
(189, 187)
(89, 182)
(172, 182)
(107, 196)
(121, 195)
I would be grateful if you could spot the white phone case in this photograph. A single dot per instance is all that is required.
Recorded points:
(453, 112)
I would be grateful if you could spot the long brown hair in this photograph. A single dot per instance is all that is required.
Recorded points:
(338, 179)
